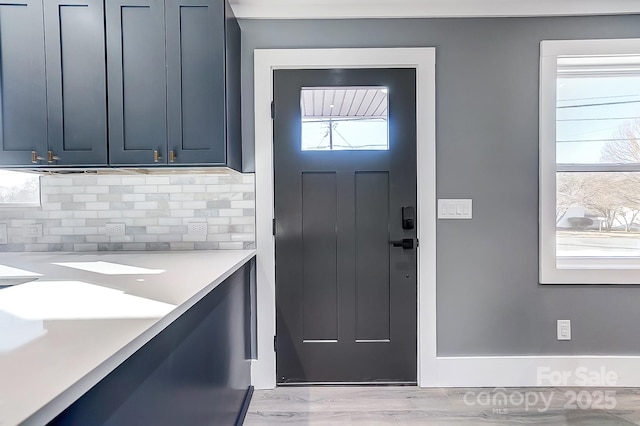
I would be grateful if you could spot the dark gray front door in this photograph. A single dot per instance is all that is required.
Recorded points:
(345, 167)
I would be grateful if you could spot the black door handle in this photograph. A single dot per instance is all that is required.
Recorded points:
(405, 243)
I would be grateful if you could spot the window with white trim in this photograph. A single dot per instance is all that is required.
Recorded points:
(19, 189)
(590, 162)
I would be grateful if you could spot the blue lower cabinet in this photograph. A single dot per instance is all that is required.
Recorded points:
(195, 372)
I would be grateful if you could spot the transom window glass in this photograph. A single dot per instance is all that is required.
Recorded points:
(344, 118)
(590, 161)
(19, 189)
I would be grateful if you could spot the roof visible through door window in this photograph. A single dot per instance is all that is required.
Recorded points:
(344, 118)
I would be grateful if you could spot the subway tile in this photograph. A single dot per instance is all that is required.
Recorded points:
(146, 238)
(181, 246)
(83, 198)
(219, 237)
(85, 247)
(153, 246)
(109, 198)
(156, 197)
(97, 189)
(169, 221)
(194, 205)
(209, 245)
(85, 180)
(97, 239)
(97, 206)
(121, 189)
(236, 245)
(193, 188)
(145, 205)
(157, 180)
(145, 189)
(245, 204)
(194, 238)
(170, 238)
(183, 180)
(75, 239)
(133, 197)
(58, 198)
(231, 212)
(180, 196)
(75, 210)
(134, 246)
(85, 230)
(110, 214)
(73, 222)
(158, 230)
(91, 214)
(205, 213)
(137, 230)
(134, 180)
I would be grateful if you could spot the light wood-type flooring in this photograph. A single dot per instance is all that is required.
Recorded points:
(408, 405)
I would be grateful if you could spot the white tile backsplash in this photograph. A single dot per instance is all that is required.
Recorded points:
(155, 209)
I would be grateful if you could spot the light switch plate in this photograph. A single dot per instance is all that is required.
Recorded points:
(4, 238)
(455, 209)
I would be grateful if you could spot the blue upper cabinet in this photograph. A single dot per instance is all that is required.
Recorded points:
(170, 68)
(76, 82)
(174, 92)
(23, 112)
(55, 115)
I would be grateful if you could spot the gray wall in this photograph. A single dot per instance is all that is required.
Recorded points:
(489, 299)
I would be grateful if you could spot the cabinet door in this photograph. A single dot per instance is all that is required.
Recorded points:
(76, 81)
(195, 80)
(136, 82)
(23, 113)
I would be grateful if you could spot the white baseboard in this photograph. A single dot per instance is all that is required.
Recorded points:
(525, 371)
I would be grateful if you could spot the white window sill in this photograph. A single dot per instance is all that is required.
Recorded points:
(606, 263)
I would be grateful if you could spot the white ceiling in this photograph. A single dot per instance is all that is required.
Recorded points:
(294, 9)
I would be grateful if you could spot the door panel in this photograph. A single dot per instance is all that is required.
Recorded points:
(137, 81)
(319, 256)
(76, 81)
(195, 70)
(23, 114)
(372, 255)
(346, 298)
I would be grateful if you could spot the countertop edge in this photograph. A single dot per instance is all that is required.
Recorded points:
(54, 407)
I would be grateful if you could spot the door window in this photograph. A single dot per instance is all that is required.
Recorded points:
(344, 118)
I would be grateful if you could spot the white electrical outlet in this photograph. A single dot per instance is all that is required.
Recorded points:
(197, 228)
(564, 329)
(4, 238)
(32, 231)
(115, 229)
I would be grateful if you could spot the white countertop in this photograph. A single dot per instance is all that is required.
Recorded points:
(87, 313)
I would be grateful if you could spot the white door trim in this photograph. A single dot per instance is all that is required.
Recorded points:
(263, 369)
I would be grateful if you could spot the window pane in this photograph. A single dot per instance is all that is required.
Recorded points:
(344, 118)
(16, 187)
(598, 214)
(598, 110)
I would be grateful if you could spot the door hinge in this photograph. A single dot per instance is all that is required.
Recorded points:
(275, 343)
(417, 243)
(273, 227)
(273, 109)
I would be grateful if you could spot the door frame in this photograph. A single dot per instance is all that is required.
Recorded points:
(423, 59)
